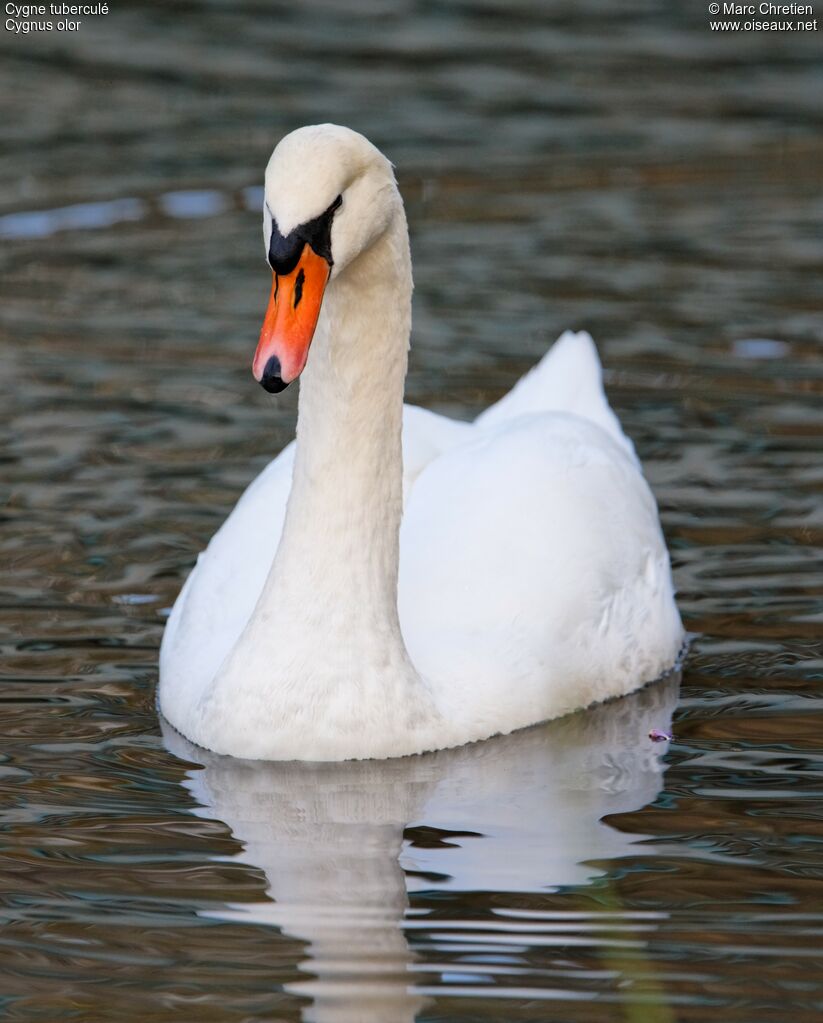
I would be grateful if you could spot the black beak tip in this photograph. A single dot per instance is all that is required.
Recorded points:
(271, 380)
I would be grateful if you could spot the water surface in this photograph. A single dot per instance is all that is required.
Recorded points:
(627, 172)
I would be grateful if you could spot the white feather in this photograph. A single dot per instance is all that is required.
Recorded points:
(533, 575)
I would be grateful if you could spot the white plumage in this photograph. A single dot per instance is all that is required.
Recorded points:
(533, 575)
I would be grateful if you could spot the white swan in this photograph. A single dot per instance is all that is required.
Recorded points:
(533, 575)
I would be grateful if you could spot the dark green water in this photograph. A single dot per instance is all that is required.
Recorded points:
(628, 172)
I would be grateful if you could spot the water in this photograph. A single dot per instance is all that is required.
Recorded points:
(629, 173)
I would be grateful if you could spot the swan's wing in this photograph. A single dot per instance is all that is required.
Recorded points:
(534, 578)
(222, 588)
(426, 436)
(568, 378)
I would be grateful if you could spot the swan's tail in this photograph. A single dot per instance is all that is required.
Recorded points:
(568, 378)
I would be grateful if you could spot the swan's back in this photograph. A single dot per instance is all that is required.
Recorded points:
(568, 378)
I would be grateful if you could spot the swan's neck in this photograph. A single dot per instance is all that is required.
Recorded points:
(336, 567)
(322, 658)
(332, 592)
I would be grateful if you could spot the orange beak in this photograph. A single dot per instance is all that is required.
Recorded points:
(291, 318)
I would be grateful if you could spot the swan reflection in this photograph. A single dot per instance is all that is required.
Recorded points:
(519, 813)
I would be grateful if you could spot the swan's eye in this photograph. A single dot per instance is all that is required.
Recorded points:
(283, 252)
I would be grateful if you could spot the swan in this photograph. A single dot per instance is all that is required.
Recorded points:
(396, 581)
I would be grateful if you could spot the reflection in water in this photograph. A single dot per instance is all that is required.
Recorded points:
(520, 813)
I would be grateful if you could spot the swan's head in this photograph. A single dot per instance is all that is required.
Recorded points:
(330, 194)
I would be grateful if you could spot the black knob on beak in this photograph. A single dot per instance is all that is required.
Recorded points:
(271, 379)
